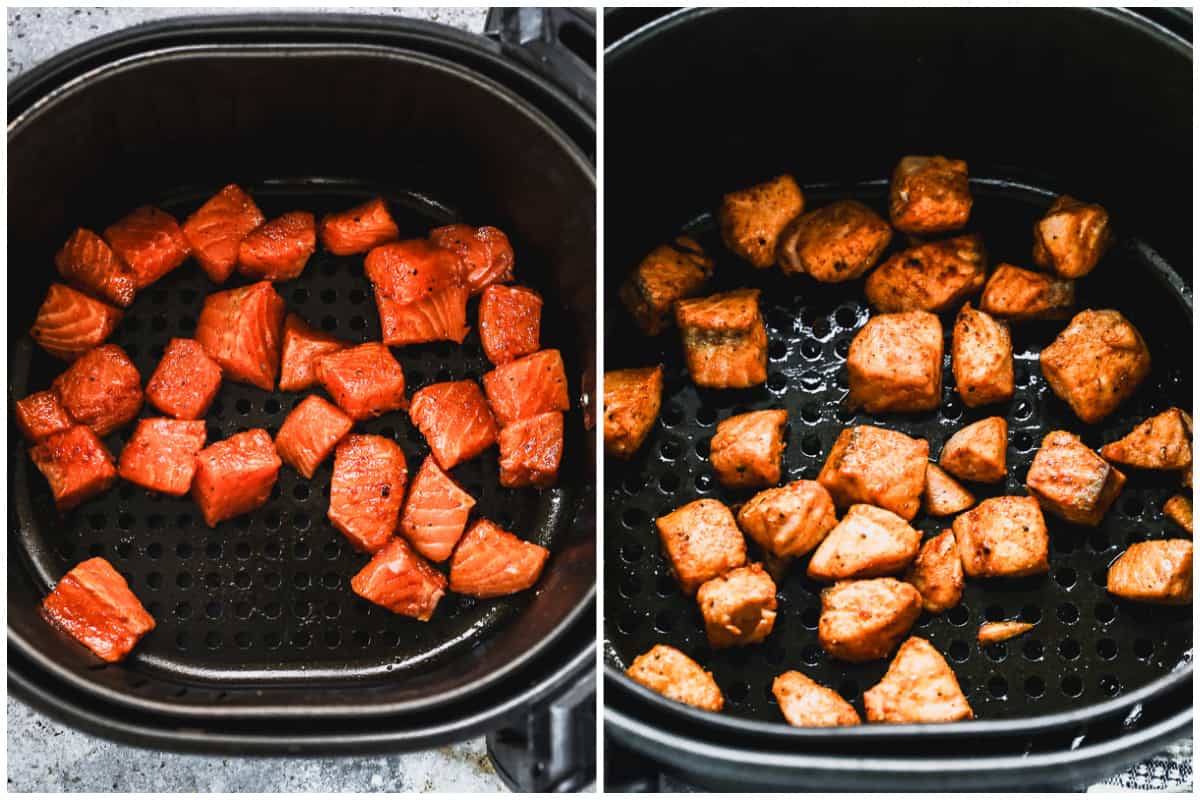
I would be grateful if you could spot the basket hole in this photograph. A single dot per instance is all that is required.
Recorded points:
(811, 445)
(631, 552)
(301, 522)
(1105, 613)
(703, 482)
(243, 610)
(1068, 614)
(1065, 577)
(183, 580)
(154, 580)
(669, 450)
(669, 483)
(272, 610)
(959, 651)
(664, 622)
(302, 610)
(811, 618)
(272, 580)
(810, 381)
(1143, 648)
(998, 687)
(1033, 650)
(362, 638)
(301, 550)
(777, 382)
(1031, 614)
(1069, 649)
(1072, 686)
(330, 580)
(777, 350)
(212, 610)
(183, 550)
(181, 641)
(242, 580)
(272, 550)
(154, 550)
(357, 297)
(300, 580)
(706, 416)
(1099, 541)
(1035, 687)
(183, 610)
(672, 415)
(123, 549)
(1023, 442)
(125, 521)
(996, 652)
(332, 550)
(242, 550)
(1106, 649)
(665, 586)
(1110, 685)
(958, 615)
(810, 349)
(993, 613)
(811, 655)
(629, 587)
(272, 641)
(634, 518)
(952, 410)
(332, 610)
(842, 348)
(628, 623)
(1023, 410)
(702, 449)
(810, 414)
(301, 640)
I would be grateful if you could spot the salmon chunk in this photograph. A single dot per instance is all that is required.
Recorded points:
(102, 390)
(982, 358)
(510, 319)
(531, 451)
(789, 521)
(365, 381)
(929, 194)
(532, 385)
(436, 512)
(1096, 363)
(877, 466)
(491, 562)
(1179, 509)
(401, 581)
(747, 450)
(805, 703)
(1158, 571)
(702, 542)
(235, 476)
(738, 607)
(944, 495)
(420, 292)
(87, 262)
(302, 346)
(752, 219)
(241, 330)
(895, 363)
(869, 542)
(724, 339)
(310, 433)
(1003, 537)
(937, 573)
(919, 687)
(632, 400)
(977, 452)
(672, 674)
(935, 276)
(69, 323)
(1071, 237)
(837, 243)
(1019, 294)
(865, 620)
(40, 415)
(185, 382)
(1162, 442)
(215, 230)
(486, 253)
(358, 229)
(161, 454)
(76, 464)
(455, 421)
(94, 605)
(1070, 481)
(668, 273)
(150, 241)
(993, 632)
(279, 249)
(369, 475)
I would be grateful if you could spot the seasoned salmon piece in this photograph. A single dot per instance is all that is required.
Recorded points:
(369, 475)
(1071, 237)
(102, 390)
(185, 382)
(279, 249)
(1018, 294)
(789, 521)
(1096, 363)
(895, 363)
(1003, 537)
(216, 229)
(527, 387)
(865, 620)
(510, 319)
(747, 450)
(1179, 509)
(837, 243)
(993, 632)
(869, 542)
(302, 346)
(310, 433)
(944, 495)
(929, 194)
(235, 476)
(752, 219)
(805, 703)
(531, 451)
(76, 464)
(401, 581)
(436, 512)
(982, 358)
(486, 253)
(1070, 481)
(358, 229)
(455, 420)
(670, 272)
(935, 276)
(365, 381)
(93, 604)
(69, 323)
(977, 452)
(40, 415)
(420, 291)
(150, 241)
(937, 573)
(632, 400)
(87, 262)
(876, 466)
(702, 541)
(161, 454)
(919, 686)
(1158, 571)
(738, 607)
(491, 562)
(672, 674)
(1162, 442)
(724, 339)
(440, 317)
(240, 329)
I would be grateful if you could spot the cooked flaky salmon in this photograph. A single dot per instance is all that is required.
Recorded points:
(401, 581)
(510, 319)
(807, 704)
(672, 674)
(929, 194)
(185, 382)
(94, 604)
(69, 323)
(235, 476)
(161, 454)
(531, 451)
(485, 252)
(895, 363)
(279, 249)
(436, 512)
(89, 263)
(102, 390)
(216, 229)
(747, 449)
(934, 276)
(302, 346)
(455, 420)
(632, 400)
(490, 562)
(150, 241)
(369, 474)
(76, 464)
(753, 218)
(919, 686)
(310, 433)
(1096, 363)
(528, 386)
(724, 339)
(358, 229)
(420, 291)
(365, 381)
(41, 414)
(241, 330)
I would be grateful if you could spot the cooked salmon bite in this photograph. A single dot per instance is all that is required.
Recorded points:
(435, 514)
(919, 686)
(865, 620)
(241, 329)
(876, 466)
(1163, 442)
(895, 363)
(303, 345)
(401, 581)
(455, 420)
(69, 323)
(738, 607)
(672, 674)
(929, 194)
(1158, 571)
(185, 382)
(1179, 510)
(41, 414)
(789, 521)
(365, 381)
(668, 273)
(836, 243)
(978, 451)
(937, 573)
(358, 229)
(491, 562)
(1096, 363)
(724, 339)
(1017, 294)
(216, 229)
(310, 433)
(1070, 481)
(747, 449)
(420, 291)
(752, 219)
(278, 250)
(150, 241)
(76, 464)
(531, 385)
(935, 276)
(369, 476)
(702, 542)
(1071, 237)
(1003, 537)
(510, 321)
(161, 454)
(632, 401)
(994, 632)
(869, 542)
(87, 262)
(486, 253)
(235, 476)
(531, 451)
(102, 390)
(94, 605)
(981, 358)
(944, 495)
(805, 703)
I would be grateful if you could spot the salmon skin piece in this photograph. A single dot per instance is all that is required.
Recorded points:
(531, 451)
(150, 241)
(455, 421)
(94, 605)
(310, 433)
(401, 581)
(527, 387)
(358, 229)
(419, 291)
(279, 249)
(302, 346)
(161, 455)
(89, 263)
(216, 229)
(102, 390)
(40, 415)
(369, 474)
(365, 381)
(185, 382)
(436, 512)
(69, 323)
(76, 464)
(486, 253)
(510, 319)
(235, 476)
(241, 330)
(491, 562)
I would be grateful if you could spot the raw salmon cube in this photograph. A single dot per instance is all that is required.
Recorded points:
(69, 323)
(440, 317)
(420, 292)
(302, 346)
(358, 229)
(485, 252)
(161, 456)
(527, 387)
(150, 241)
(235, 476)
(93, 604)
(510, 319)
(76, 464)
(241, 329)
(365, 381)
(102, 390)
(40, 415)
(279, 249)
(491, 562)
(310, 433)
(531, 451)
(89, 263)
(435, 515)
(185, 382)
(401, 581)
(455, 421)
(216, 229)
(369, 473)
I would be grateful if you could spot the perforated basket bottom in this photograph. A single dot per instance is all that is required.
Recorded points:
(1087, 646)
